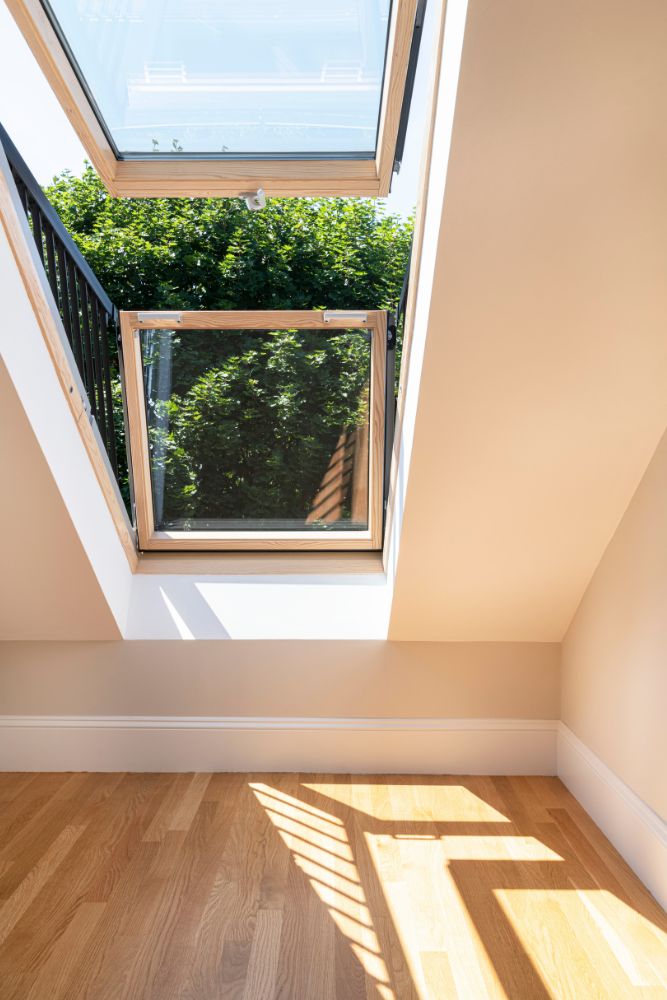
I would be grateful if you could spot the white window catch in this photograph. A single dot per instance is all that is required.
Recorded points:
(150, 317)
(352, 317)
(255, 200)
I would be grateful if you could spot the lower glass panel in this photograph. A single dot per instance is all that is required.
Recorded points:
(258, 430)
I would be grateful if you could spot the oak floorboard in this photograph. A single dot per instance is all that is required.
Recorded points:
(14, 782)
(198, 935)
(54, 974)
(316, 887)
(67, 806)
(86, 875)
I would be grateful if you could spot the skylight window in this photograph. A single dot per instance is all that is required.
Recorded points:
(200, 97)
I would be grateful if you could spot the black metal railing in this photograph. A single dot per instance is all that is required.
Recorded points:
(89, 317)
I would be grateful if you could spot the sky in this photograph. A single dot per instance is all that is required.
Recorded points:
(40, 130)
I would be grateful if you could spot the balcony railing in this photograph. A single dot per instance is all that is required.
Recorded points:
(89, 318)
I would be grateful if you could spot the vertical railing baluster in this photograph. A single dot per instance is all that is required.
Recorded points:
(87, 343)
(68, 321)
(101, 414)
(51, 258)
(37, 230)
(104, 327)
(77, 326)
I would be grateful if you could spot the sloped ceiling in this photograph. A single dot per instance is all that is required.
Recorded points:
(544, 387)
(48, 589)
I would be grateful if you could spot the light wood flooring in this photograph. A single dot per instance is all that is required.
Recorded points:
(312, 887)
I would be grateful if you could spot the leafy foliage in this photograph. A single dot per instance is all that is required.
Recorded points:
(212, 253)
(251, 420)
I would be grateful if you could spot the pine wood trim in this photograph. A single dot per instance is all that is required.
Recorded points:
(151, 539)
(251, 319)
(398, 56)
(137, 429)
(230, 178)
(261, 563)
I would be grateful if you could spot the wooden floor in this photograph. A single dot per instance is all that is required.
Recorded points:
(311, 887)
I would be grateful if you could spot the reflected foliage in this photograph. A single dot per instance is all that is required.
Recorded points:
(246, 422)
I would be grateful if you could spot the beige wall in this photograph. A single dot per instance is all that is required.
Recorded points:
(614, 669)
(48, 588)
(280, 678)
(542, 396)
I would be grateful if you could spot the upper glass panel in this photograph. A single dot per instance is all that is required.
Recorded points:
(232, 77)
(258, 430)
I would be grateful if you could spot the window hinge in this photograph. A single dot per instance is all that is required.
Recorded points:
(391, 331)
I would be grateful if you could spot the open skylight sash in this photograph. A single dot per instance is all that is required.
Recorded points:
(253, 430)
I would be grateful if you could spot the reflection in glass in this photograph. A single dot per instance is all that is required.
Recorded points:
(232, 77)
(258, 429)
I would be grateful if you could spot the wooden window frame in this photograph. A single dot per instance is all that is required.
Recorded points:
(148, 537)
(185, 177)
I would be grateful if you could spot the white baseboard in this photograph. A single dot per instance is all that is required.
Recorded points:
(362, 746)
(635, 830)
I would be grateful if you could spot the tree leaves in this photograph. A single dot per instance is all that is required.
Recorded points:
(212, 253)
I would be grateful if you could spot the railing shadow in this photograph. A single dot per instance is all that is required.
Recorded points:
(517, 907)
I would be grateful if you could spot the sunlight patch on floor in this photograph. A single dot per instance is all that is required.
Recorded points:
(516, 848)
(447, 803)
(430, 921)
(602, 943)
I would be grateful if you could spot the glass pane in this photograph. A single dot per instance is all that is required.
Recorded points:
(262, 430)
(232, 76)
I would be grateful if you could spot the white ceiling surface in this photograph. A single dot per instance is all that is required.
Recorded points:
(48, 589)
(544, 387)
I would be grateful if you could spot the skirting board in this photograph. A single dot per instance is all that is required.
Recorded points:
(362, 746)
(635, 830)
